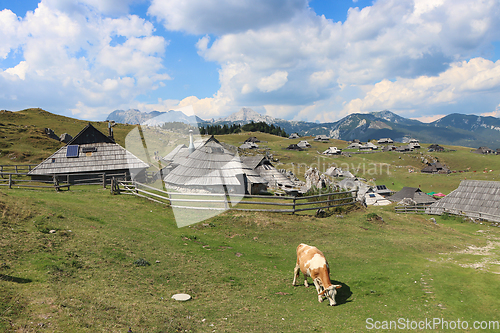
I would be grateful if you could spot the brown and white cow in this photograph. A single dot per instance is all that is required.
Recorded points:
(312, 262)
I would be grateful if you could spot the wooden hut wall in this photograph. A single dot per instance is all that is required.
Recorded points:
(474, 198)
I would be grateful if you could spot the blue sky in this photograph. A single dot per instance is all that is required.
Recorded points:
(294, 59)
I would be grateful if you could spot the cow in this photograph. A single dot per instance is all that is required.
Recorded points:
(312, 262)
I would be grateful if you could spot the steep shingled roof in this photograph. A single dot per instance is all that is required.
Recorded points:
(93, 152)
(210, 165)
(473, 198)
(413, 193)
(266, 170)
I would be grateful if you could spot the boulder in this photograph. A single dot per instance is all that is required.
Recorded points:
(65, 138)
(51, 134)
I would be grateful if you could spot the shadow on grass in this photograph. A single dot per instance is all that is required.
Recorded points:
(14, 279)
(343, 293)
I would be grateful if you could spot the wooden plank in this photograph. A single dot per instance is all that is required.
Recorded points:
(322, 195)
(264, 210)
(143, 196)
(265, 203)
(199, 208)
(154, 195)
(196, 200)
(323, 201)
(324, 207)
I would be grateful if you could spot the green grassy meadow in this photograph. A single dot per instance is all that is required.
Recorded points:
(237, 266)
(389, 168)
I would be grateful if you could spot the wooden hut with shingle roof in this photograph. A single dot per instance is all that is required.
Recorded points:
(436, 168)
(211, 167)
(90, 152)
(266, 170)
(483, 150)
(413, 193)
(473, 198)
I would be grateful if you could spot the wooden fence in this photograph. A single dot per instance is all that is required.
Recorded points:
(11, 180)
(419, 209)
(225, 201)
(16, 169)
(57, 182)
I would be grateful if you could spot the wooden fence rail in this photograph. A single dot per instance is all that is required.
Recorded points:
(20, 179)
(11, 182)
(16, 168)
(222, 201)
(410, 209)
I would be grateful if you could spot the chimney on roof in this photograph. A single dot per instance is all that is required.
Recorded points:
(191, 144)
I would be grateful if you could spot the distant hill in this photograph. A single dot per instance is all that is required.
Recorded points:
(454, 129)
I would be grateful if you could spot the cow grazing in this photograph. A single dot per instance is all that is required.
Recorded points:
(312, 262)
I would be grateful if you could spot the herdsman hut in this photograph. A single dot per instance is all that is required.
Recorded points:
(473, 198)
(89, 154)
(413, 193)
(266, 170)
(210, 167)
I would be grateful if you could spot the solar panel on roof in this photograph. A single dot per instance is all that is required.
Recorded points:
(372, 195)
(72, 151)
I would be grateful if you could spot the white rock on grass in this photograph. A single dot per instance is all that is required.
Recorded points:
(181, 297)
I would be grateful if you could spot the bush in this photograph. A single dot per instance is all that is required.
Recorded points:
(141, 262)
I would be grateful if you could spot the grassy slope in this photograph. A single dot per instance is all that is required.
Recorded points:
(389, 168)
(22, 138)
(21, 142)
(238, 268)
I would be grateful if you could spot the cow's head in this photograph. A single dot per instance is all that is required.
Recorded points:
(330, 293)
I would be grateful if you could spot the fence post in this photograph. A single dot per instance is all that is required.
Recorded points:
(104, 180)
(56, 182)
(10, 181)
(293, 212)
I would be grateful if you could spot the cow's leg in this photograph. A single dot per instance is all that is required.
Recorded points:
(305, 281)
(296, 273)
(319, 288)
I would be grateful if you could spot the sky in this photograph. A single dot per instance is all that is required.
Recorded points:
(316, 60)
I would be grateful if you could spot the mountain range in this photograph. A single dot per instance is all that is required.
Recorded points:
(153, 118)
(454, 129)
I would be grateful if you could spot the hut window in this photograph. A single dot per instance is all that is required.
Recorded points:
(89, 149)
(72, 151)
(53, 160)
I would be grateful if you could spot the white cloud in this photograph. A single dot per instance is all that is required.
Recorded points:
(273, 81)
(495, 113)
(429, 119)
(223, 16)
(415, 46)
(460, 81)
(77, 60)
(406, 55)
(19, 70)
(106, 7)
(10, 35)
